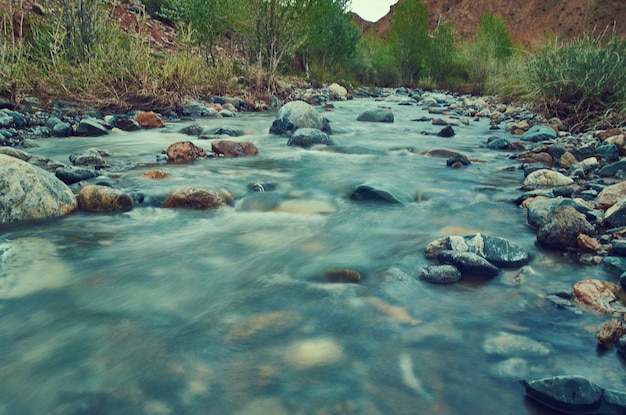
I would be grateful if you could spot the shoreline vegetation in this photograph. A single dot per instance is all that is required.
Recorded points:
(256, 50)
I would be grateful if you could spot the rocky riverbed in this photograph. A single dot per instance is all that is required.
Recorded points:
(382, 155)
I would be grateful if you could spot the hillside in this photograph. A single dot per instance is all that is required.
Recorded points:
(527, 20)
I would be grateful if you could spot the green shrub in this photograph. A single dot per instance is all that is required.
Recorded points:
(582, 81)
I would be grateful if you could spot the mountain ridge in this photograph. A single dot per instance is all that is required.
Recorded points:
(529, 21)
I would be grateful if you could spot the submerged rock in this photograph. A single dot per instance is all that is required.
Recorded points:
(343, 275)
(230, 149)
(69, 175)
(514, 345)
(381, 192)
(194, 198)
(376, 115)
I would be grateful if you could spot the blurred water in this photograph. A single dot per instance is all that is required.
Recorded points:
(159, 311)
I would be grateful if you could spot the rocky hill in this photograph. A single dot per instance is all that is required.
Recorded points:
(528, 20)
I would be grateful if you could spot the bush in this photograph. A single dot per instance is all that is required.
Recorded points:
(583, 81)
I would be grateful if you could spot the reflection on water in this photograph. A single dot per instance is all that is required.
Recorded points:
(160, 311)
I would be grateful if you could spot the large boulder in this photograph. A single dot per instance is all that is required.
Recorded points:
(498, 251)
(87, 157)
(562, 228)
(30, 193)
(376, 115)
(600, 296)
(91, 128)
(228, 149)
(71, 175)
(94, 198)
(610, 195)
(298, 114)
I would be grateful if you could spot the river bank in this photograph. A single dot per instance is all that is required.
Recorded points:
(373, 202)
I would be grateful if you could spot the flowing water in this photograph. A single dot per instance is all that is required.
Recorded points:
(162, 311)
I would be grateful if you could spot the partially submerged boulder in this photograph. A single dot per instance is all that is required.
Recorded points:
(298, 114)
(31, 193)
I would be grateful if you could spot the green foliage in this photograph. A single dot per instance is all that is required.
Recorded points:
(409, 39)
(580, 81)
(156, 7)
(488, 51)
(210, 19)
(375, 64)
(330, 46)
(82, 22)
(442, 62)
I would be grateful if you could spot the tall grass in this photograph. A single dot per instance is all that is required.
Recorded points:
(582, 81)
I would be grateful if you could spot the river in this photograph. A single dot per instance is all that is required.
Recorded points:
(170, 311)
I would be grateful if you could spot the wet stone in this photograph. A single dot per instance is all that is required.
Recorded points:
(440, 274)
(569, 394)
(539, 133)
(468, 263)
(343, 275)
(376, 115)
(74, 175)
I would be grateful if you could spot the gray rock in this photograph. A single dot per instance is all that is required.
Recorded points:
(562, 228)
(306, 137)
(457, 161)
(91, 128)
(126, 123)
(298, 114)
(193, 130)
(69, 175)
(569, 394)
(615, 266)
(376, 115)
(498, 251)
(18, 119)
(195, 109)
(539, 210)
(615, 216)
(446, 132)
(619, 246)
(499, 144)
(31, 193)
(52, 121)
(513, 368)
(611, 170)
(226, 114)
(62, 129)
(468, 263)
(86, 157)
(539, 133)
(440, 274)
(608, 151)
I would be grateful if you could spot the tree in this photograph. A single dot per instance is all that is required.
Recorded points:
(332, 37)
(441, 58)
(494, 38)
(408, 38)
(210, 19)
(374, 62)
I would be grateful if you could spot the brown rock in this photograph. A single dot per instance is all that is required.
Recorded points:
(603, 135)
(93, 198)
(597, 295)
(610, 195)
(618, 141)
(562, 228)
(184, 151)
(542, 157)
(442, 152)
(611, 331)
(567, 160)
(155, 174)
(588, 243)
(520, 128)
(148, 119)
(194, 198)
(230, 149)
(530, 200)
